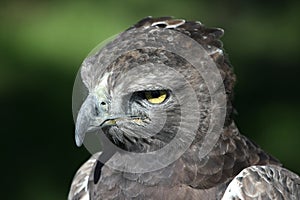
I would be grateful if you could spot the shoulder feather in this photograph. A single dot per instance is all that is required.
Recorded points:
(79, 188)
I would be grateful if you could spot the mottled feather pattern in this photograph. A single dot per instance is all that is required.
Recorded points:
(79, 189)
(264, 182)
(235, 162)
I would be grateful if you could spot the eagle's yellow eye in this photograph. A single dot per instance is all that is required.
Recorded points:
(156, 96)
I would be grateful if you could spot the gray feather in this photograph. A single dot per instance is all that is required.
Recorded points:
(234, 162)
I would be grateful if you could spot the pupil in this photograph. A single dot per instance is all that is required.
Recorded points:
(155, 94)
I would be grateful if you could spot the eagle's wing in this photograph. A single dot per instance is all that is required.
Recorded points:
(79, 188)
(264, 182)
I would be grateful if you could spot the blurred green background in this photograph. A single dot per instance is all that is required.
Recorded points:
(44, 42)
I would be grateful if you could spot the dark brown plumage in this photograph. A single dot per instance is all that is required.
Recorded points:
(191, 176)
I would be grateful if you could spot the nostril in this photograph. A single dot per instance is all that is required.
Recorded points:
(102, 107)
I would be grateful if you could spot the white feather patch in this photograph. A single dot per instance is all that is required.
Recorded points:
(234, 189)
(79, 188)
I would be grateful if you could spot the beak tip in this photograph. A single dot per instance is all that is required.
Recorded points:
(78, 141)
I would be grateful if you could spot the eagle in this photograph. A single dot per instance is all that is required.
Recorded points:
(157, 100)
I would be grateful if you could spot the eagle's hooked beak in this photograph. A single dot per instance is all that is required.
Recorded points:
(92, 115)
